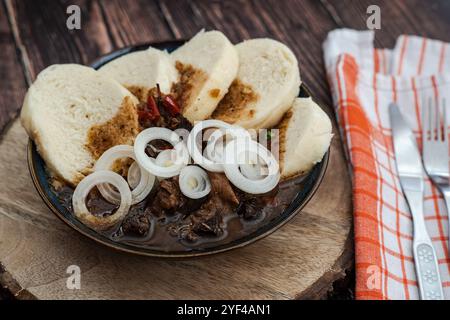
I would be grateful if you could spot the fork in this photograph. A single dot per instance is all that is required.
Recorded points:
(435, 149)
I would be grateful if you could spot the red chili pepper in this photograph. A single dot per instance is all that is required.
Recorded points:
(150, 112)
(171, 105)
(153, 110)
(153, 107)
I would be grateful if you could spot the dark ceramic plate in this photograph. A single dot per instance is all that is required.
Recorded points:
(39, 175)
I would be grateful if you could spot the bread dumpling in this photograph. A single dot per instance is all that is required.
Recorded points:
(73, 113)
(142, 70)
(207, 64)
(267, 83)
(304, 137)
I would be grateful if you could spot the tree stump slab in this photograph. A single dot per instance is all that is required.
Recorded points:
(300, 260)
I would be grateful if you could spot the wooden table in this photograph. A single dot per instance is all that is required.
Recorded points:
(33, 35)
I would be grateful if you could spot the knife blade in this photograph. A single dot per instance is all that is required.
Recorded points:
(410, 171)
(409, 161)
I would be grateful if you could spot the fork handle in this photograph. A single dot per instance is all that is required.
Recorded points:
(427, 269)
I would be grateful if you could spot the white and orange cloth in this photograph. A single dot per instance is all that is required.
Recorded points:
(364, 81)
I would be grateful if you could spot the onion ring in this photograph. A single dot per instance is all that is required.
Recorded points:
(194, 182)
(166, 158)
(149, 164)
(253, 168)
(233, 158)
(85, 186)
(134, 175)
(194, 146)
(217, 141)
(107, 159)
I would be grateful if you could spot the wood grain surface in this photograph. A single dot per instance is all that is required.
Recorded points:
(12, 83)
(302, 260)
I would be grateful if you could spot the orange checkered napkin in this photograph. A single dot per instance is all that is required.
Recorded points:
(364, 81)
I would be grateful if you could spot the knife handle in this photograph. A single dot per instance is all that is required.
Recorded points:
(427, 269)
(425, 258)
(446, 193)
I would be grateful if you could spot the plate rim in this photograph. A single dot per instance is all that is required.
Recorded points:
(167, 254)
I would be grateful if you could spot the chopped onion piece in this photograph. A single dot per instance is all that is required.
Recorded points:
(235, 156)
(150, 164)
(166, 158)
(194, 182)
(82, 191)
(141, 189)
(211, 161)
(134, 175)
(253, 168)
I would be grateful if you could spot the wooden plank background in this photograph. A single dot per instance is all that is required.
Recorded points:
(33, 34)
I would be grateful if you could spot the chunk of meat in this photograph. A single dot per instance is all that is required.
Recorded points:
(168, 198)
(221, 202)
(221, 188)
(137, 224)
(208, 218)
(251, 206)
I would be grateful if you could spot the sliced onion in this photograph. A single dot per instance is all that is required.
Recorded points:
(140, 190)
(214, 151)
(134, 175)
(217, 141)
(235, 154)
(209, 161)
(150, 164)
(194, 144)
(194, 182)
(166, 158)
(82, 191)
(253, 169)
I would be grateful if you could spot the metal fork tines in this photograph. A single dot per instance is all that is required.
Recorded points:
(435, 147)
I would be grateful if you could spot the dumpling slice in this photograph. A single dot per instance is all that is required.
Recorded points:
(267, 83)
(73, 113)
(142, 70)
(304, 137)
(207, 64)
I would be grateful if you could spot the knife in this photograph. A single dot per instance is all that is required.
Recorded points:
(410, 171)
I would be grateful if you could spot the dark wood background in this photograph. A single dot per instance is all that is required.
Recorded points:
(33, 34)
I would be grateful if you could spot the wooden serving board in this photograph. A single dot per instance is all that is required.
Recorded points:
(300, 260)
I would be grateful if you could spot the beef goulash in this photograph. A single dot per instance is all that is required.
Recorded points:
(157, 150)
